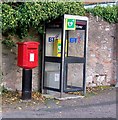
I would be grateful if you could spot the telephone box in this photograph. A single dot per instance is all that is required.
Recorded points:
(64, 54)
(27, 54)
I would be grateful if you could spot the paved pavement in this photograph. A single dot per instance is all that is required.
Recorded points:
(102, 105)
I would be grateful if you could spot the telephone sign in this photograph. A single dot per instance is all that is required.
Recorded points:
(73, 40)
(51, 39)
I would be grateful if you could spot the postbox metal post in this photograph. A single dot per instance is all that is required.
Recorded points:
(26, 84)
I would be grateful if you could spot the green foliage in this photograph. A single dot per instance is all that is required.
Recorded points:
(9, 19)
(8, 43)
(18, 18)
(109, 13)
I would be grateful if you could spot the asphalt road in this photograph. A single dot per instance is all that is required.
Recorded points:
(102, 105)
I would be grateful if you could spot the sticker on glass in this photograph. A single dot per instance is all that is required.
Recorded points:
(56, 77)
(70, 24)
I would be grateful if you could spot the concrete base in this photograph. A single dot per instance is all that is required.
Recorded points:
(48, 96)
(69, 98)
(65, 96)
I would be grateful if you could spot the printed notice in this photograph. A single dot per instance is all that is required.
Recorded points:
(56, 77)
(31, 57)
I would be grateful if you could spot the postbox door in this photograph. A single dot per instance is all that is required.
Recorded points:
(32, 57)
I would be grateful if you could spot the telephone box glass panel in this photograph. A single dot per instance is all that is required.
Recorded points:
(74, 75)
(52, 75)
(76, 40)
(53, 42)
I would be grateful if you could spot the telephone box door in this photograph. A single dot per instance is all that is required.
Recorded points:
(75, 61)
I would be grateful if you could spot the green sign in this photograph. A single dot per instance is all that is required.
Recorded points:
(59, 47)
(70, 24)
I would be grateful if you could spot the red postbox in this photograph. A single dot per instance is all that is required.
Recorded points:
(27, 54)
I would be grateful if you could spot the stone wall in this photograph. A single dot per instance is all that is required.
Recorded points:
(12, 74)
(0, 64)
(117, 53)
(101, 57)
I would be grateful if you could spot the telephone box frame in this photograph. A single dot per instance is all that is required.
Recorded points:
(64, 60)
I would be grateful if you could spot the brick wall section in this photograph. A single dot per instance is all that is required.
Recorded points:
(101, 57)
